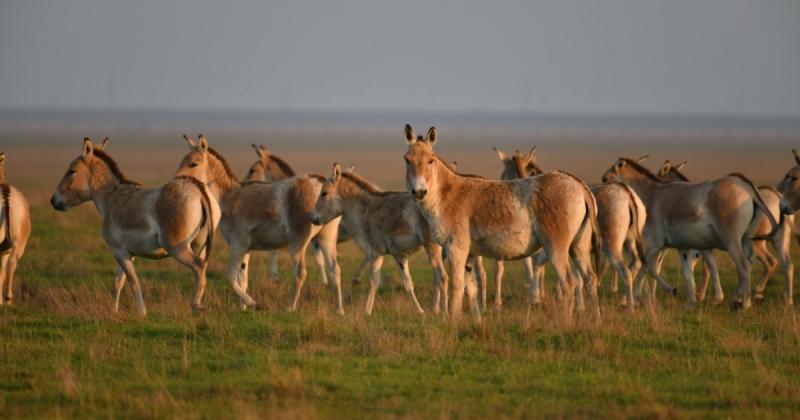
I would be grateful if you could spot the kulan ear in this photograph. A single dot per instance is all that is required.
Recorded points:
(665, 168)
(411, 137)
(500, 154)
(433, 135)
(2, 158)
(88, 147)
(642, 158)
(337, 172)
(202, 144)
(680, 166)
(454, 165)
(262, 153)
(102, 145)
(531, 157)
(189, 140)
(351, 168)
(796, 156)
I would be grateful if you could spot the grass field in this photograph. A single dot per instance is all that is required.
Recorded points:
(64, 354)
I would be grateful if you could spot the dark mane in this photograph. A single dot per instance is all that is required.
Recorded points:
(285, 168)
(646, 172)
(224, 163)
(113, 167)
(456, 172)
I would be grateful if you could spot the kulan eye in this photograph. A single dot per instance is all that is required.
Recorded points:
(324, 194)
(430, 162)
(70, 172)
(193, 164)
(407, 161)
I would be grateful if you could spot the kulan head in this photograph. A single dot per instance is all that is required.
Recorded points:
(75, 187)
(789, 187)
(622, 169)
(516, 165)
(421, 162)
(329, 202)
(670, 172)
(259, 170)
(196, 162)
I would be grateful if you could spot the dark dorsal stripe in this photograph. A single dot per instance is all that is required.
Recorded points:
(284, 167)
(113, 167)
(7, 242)
(224, 163)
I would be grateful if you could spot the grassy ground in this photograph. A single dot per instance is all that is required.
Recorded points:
(64, 354)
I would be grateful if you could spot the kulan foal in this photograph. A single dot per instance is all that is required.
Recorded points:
(175, 220)
(382, 223)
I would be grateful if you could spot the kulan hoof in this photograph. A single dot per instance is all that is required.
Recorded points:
(759, 299)
(198, 308)
(674, 292)
(356, 280)
(737, 305)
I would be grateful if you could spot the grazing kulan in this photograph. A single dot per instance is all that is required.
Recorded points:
(382, 223)
(15, 229)
(264, 216)
(500, 219)
(177, 219)
(718, 214)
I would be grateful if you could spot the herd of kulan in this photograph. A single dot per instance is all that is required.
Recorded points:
(626, 223)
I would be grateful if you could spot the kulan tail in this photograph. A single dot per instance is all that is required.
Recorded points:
(7, 243)
(208, 215)
(758, 201)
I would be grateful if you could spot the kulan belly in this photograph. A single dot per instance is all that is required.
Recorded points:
(698, 235)
(269, 236)
(509, 246)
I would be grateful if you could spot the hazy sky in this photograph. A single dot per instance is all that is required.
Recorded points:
(612, 56)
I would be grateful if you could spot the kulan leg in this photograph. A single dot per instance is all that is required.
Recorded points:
(3, 277)
(327, 246)
(480, 276)
(238, 266)
(498, 280)
(408, 282)
(273, 265)
(319, 260)
(119, 283)
(374, 281)
(126, 263)
(298, 255)
(768, 261)
(440, 277)
(458, 261)
(187, 257)
(360, 270)
(740, 253)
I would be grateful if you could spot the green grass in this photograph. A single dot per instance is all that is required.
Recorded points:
(64, 354)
